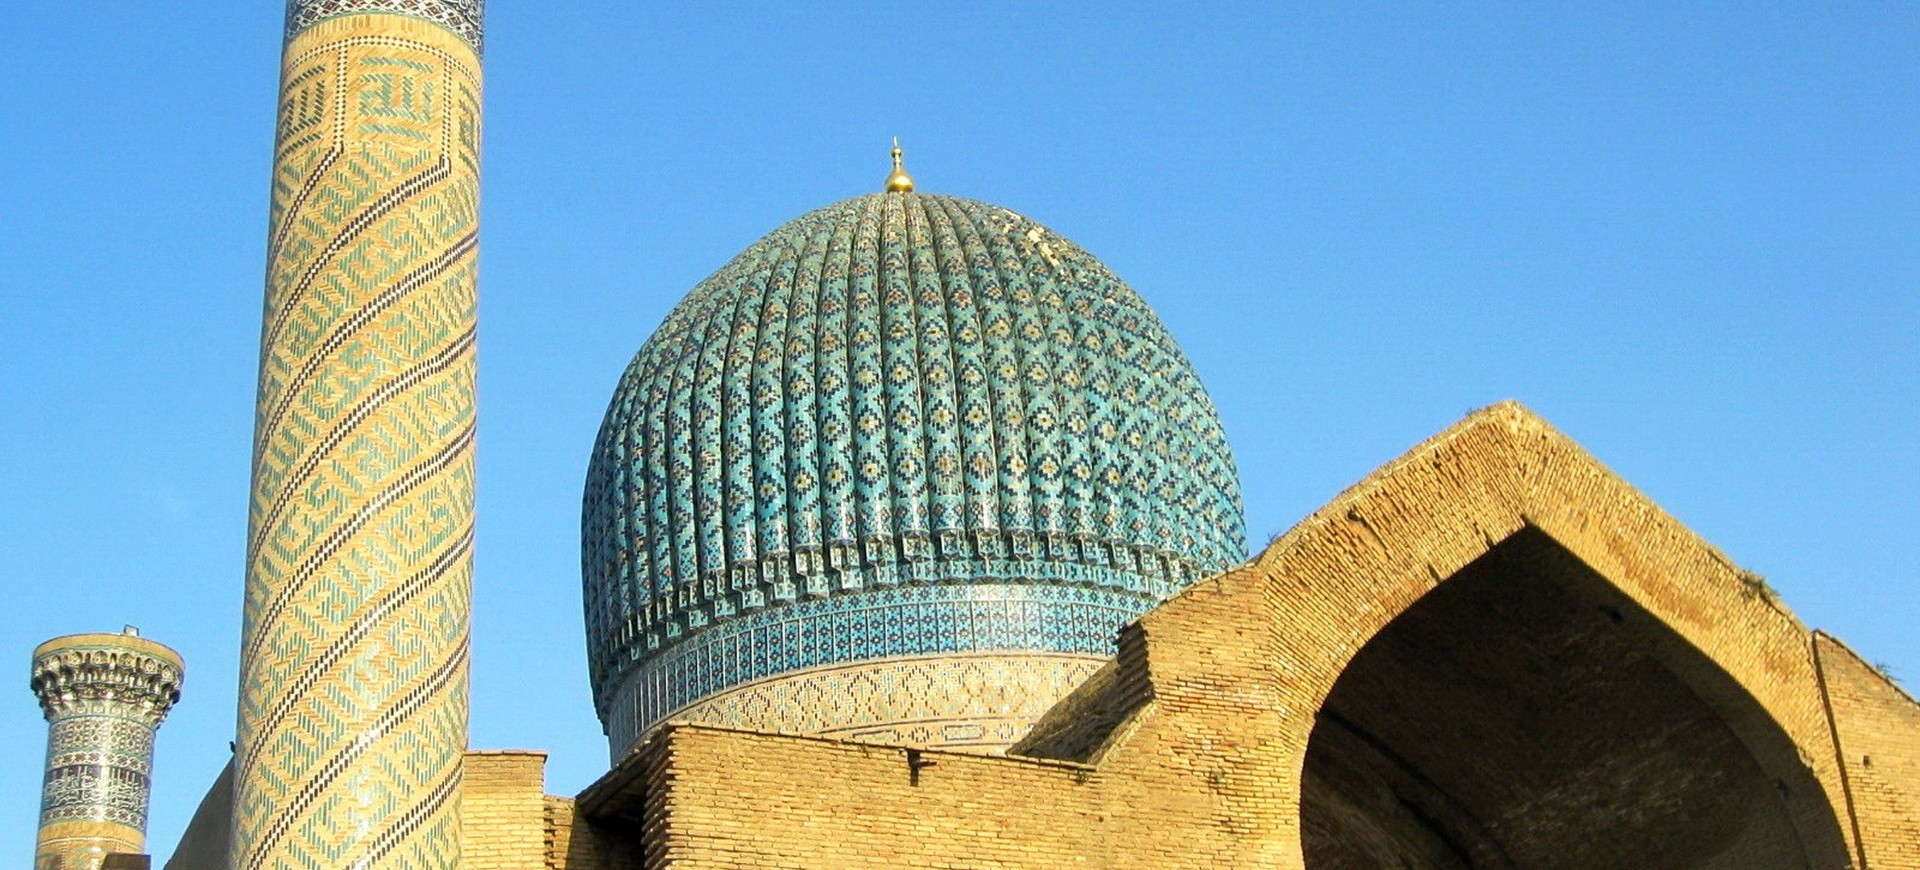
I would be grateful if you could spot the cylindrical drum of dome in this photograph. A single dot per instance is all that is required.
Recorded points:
(899, 472)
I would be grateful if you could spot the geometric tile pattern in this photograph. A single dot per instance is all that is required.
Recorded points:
(460, 16)
(354, 651)
(897, 390)
(98, 768)
(882, 624)
(976, 701)
(104, 695)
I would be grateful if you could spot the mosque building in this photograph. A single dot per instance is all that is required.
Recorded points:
(911, 539)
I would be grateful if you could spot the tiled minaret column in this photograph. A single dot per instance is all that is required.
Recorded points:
(353, 672)
(104, 695)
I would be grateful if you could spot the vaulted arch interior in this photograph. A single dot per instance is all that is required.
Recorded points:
(1526, 714)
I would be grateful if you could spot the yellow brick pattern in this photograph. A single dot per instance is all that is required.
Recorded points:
(1877, 729)
(502, 811)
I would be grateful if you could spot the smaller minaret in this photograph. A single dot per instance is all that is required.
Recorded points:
(104, 696)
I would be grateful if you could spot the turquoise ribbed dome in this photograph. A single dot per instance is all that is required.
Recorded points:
(902, 404)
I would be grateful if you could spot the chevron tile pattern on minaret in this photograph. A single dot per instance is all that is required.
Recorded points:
(354, 658)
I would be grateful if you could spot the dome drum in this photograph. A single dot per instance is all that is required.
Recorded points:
(1053, 622)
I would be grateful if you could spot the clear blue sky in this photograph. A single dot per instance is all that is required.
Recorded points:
(1688, 235)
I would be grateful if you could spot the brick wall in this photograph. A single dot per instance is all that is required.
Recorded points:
(1877, 729)
(1206, 715)
(575, 843)
(740, 799)
(503, 811)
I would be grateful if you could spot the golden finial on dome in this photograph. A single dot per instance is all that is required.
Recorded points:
(898, 181)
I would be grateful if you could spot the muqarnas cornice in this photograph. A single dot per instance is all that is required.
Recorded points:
(112, 674)
(460, 16)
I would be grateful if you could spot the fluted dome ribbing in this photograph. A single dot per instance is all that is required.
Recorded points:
(903, 404)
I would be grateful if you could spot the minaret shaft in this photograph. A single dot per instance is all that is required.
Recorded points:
(353, 673)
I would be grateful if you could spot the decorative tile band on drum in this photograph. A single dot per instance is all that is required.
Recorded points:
(464, 17)
(354, 649)
(1135, 574)
(976, 701)
(104, 695)
(886, 623)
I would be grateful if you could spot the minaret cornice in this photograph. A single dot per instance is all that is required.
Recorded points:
(107, 673)
(463, 17)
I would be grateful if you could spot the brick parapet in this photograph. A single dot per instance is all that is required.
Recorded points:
(503, 820)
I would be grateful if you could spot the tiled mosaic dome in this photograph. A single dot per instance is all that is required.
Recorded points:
(901, 426)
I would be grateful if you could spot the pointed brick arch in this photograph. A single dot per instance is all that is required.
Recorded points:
(1319, 594)
(1525, 710)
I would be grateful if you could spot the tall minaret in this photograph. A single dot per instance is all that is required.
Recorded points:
(104, 695)
(353, 666)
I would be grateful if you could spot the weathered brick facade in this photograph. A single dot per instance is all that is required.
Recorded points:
(1877, 735)
(503, 814)
(1531, 658)
(1491, 653)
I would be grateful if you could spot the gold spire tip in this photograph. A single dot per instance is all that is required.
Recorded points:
(898, 181)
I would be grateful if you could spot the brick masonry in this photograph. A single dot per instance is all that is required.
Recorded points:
(1877, 734)
(1195, 752)
(1192, 747)
(503, 810)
